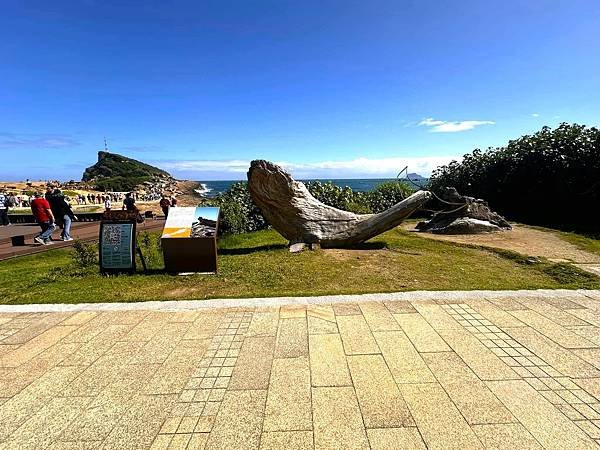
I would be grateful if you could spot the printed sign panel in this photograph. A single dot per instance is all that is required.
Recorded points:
(189, 222)
(117, 246)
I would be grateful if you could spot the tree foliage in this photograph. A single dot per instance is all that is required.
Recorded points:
(549, 178)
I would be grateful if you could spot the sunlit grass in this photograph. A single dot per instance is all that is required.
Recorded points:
(259, 265)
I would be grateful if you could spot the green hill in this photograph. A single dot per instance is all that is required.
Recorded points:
(115, 172)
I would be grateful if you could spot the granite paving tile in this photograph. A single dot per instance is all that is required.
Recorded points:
(337, 419)
(478, 357)
(292, 338)
(404, 362)
(140, 424)
(512, 372)
(548, 425)
(292, 312)
(495, 314)
(556, 356)
(356, 335)
(380, 401)
(470, 395)
(552, 330)
(557, 315)
(33, 398)
(437, 317)
(263, 324)
(437, 418)
(43, 427)
(378, 317)
(253, 367)
(279, 440)
(238, 424)
(346, 309)
(395, 438)
(35, 346)
(288, 399)
(327, 361)
(506, 436)
(420, 333)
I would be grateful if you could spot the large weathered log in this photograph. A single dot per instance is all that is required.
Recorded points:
(463, 215)
(299, 217)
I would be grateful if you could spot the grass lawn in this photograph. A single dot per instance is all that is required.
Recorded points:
(590, 243)
(259, 265)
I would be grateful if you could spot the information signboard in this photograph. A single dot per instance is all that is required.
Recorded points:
(117, 246)
(189, 239)
(200, 222)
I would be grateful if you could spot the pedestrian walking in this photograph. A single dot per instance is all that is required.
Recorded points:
(43, 216)
(129, 202)
(165, 203)
(4, 204)
(63, 211)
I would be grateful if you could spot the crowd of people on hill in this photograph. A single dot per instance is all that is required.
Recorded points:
(98, 199)
(53, 209)
(12, 200)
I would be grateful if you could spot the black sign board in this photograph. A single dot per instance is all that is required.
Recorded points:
(117, 246)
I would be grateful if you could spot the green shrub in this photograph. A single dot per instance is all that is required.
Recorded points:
(239, 214)
(85, 255)
(550, 178)
(387, 195)
(339, 197)
(150, 246)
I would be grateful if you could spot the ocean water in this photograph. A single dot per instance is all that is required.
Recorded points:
(361, 185)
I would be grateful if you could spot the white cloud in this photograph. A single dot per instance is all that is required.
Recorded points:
(535, 115)
(353, 168)
(442, 126)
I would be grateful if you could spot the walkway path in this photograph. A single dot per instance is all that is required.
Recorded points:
(447, 370)
(86, 231)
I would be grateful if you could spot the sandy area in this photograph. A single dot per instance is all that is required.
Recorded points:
(524, 240)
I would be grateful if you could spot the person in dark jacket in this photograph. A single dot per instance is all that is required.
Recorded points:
(62, 212)
(4, 204)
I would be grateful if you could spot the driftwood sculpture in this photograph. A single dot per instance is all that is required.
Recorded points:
(302, 219)
(463, 215)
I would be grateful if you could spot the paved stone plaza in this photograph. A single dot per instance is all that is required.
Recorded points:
(500, 370)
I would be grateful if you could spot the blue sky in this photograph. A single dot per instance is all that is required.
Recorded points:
(327, 88)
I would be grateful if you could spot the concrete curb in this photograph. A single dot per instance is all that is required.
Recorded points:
(190, 305)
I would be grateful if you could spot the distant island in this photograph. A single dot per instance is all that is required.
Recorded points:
(118, 173)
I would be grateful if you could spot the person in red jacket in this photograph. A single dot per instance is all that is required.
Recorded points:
(44, 217)
(165, 203)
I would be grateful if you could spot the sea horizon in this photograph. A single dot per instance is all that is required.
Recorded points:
(214, 187)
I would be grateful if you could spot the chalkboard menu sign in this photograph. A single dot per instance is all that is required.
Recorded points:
(117, 246)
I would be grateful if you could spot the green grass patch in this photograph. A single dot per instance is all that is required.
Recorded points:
(259, 265)
(587, 242)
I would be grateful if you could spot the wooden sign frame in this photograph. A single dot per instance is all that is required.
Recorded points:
(185, 248)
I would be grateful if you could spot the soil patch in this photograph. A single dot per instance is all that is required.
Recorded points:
(524, 240)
